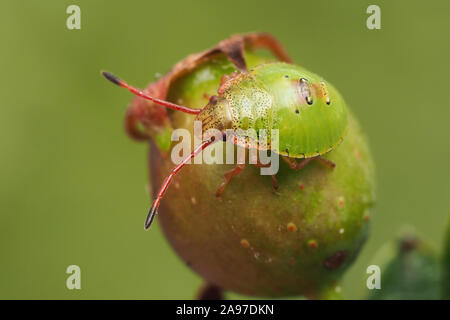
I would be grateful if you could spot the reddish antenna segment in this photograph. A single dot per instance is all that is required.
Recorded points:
(140, 93)
(153, 210)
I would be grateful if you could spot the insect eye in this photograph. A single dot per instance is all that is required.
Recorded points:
(305, 90)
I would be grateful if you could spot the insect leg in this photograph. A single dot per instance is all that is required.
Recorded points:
(274, 181)
(293, 164)
(162, 190)
(326, 162)
(230, 174)
(273, 176)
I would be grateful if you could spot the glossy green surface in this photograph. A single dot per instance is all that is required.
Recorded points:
(304, 130)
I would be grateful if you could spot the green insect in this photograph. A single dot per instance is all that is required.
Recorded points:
(308, 113)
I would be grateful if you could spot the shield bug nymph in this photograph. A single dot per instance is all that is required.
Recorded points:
(309, 114)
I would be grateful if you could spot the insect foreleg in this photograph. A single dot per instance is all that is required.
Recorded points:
(228, 175)
(233, 172)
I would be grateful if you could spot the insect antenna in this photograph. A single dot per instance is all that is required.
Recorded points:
(144, 95)
(153, 210)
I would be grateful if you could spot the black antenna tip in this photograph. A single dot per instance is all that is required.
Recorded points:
(111, 78)
(150, 216)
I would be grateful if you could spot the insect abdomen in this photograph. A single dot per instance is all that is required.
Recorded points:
(309, 113)
(251, 108)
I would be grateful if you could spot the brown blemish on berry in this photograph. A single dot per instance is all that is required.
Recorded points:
(336, 260)
(292, 261)
(408, 243)
(341, 202)
(245, 243)
(291, 227)
(312, 244)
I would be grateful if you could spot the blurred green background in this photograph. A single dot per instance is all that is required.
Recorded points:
(73, 186)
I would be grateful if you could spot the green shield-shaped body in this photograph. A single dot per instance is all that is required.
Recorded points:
(309, 113)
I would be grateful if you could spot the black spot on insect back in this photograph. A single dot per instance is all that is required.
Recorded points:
(305, 90)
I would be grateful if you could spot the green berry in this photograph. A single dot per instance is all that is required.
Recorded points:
(253, 240)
